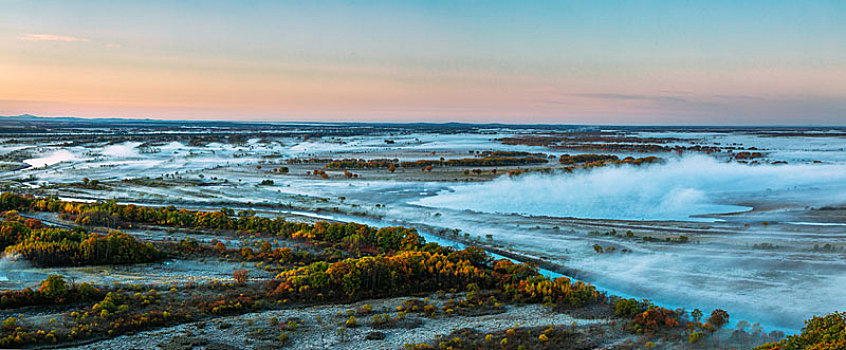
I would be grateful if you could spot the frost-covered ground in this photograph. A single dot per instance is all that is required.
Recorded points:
(778, 273)
(317, 328)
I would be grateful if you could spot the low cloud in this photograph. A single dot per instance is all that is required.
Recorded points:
(51, 37)
(676, 190)
(613, 96)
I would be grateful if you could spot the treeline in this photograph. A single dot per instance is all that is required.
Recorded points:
(53, 291)
(640, 161)
(748, 155)
(586, 158)
(511, 154)
(362, 163)
(614, 161)
(308, 160)
(495, 158)
(820, 333)
(412, 272)
(606, 143)
(45, 246)
(347, 236)
(588, 164)
(485, 161)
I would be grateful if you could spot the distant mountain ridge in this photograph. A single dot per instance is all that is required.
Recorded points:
(30, 117)
(117, 121)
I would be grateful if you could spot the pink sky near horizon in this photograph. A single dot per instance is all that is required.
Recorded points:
(390, 94)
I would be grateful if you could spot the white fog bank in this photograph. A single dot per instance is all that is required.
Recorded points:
(676, 190)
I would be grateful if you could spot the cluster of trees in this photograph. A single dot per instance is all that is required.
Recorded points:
(523, 283)
(347, 236)
(605, 143)
(590, 136)
(53, 291)
(61, 247)
(586, 158)
(549, 337)
(411, 272)
(11, 201)
(321, 173)
(477, 171)
(653, 319)
(369, 277)
(50, 246)
(121, 311)
(640, 161)
(353, 163)
(559, 292)
(747, 155)
(265, 253)
(619, 147)
(820, 333)
(127, 309)
(600, 161)
(531, 140)
(97, 217)
(679, 325)
(627, 160)
(488, 158)
(308, 160)
(510, 154)
(483, 162)
(91, 184)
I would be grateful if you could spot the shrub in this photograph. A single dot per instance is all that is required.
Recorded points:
(240, 276)
(718, 318)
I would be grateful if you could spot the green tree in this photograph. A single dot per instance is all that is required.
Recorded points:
(54, 287)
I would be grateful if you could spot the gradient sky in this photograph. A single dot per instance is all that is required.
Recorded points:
(584, 62)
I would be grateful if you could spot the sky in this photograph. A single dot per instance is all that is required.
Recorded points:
(559, 62)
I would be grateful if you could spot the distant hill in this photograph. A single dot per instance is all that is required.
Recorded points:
(34, 118)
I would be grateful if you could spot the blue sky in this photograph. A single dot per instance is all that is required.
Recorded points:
(598, 62)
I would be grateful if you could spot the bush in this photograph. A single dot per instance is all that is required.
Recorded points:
(719, 318)
(240, 276)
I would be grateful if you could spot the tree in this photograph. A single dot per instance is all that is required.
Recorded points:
(241, 276)
(265, 247)
(741, 326)
(54, 287)
(719, 318)
(696, 314)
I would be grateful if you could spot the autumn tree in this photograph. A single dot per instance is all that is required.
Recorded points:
(54, 287)
(718, 318)
(240, 276)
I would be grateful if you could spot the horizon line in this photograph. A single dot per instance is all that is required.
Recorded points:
(270, 122)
